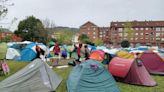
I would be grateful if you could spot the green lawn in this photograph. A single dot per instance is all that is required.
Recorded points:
(64, 72)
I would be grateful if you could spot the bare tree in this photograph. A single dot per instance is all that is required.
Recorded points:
(3, 8)
(48, 23)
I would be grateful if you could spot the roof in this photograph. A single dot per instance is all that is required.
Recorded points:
(88, 23)
(139, 24)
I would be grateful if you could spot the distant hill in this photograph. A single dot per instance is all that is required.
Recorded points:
(4, 30)
(60, 28)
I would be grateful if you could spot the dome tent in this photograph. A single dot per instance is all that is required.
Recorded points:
(35, 77)
(91, 76)
(130, 71)
(153, 62)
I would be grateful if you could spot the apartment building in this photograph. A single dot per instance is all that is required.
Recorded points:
(137, 32)
(94, 32)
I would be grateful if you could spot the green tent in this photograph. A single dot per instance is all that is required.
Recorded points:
(35, 77)
(91, 76)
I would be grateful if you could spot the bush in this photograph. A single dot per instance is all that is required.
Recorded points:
(125, 44)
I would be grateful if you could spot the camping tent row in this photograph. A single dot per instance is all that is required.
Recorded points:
(28, 53)
(134, 71)
(90, 76)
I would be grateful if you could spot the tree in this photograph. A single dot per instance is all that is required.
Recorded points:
(98, 42)
(125, 44)
(32, 29)
(48, 23)
(3, 8)
(65, 37)
(128, 31)
(84, 38)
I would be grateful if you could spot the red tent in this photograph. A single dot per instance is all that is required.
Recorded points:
(153, 63)
(128, 71)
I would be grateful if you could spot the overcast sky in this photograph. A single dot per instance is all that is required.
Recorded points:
(74, 13)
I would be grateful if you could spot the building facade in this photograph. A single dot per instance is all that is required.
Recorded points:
(94, 32)
(137, 32)
(11, 35)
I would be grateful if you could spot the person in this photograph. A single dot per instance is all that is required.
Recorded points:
(78, 51)
(56, 49)
(86, 52)
(39, 52)
(5, 67)
(138, 60)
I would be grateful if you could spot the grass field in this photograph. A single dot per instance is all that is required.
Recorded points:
(64, 72)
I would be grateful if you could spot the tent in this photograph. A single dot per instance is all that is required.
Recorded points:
(91, 76)
(125, 54)
(153, 62)
(35, 77)
(129, 71)
(97, 55)
(12, 53)
(29, 52)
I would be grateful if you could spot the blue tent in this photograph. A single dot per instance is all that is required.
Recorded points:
(28, 53)
(91, 76)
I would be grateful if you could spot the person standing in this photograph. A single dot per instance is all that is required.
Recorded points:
(86, 52)
(56, 49)
(78, 51)
(38, 51)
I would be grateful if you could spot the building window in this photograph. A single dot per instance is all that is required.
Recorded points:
(157, 28)
(136, 34)
(141, 33)
(100, 36)
(120, 29)
(120, 34)
(94, 33)
(94, 28)
(88, 33)
(100, 32)
(136, 28)
(146, 38)
(88, 28)
(162, 28)
(146, 33)
(136, 38)
(115, 24)
(141, 28)
(157, 34)
(94, 37)
(146, 28)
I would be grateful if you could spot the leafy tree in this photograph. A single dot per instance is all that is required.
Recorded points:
(98, 42)
(65, 36)
(32, 29)
(128, 30)
(125, 44)
(84, 38)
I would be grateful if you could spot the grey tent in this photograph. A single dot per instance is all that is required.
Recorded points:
(35, 77)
